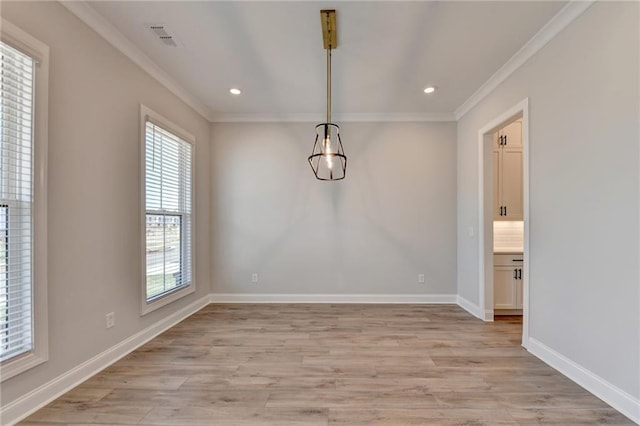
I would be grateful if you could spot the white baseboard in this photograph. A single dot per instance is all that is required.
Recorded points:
(470, 307)
(609, 393)
(332, 298)
(488, 315)
(38, 398)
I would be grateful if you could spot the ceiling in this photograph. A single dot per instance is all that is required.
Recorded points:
(387, 53)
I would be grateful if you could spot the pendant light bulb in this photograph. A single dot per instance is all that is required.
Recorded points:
(327, 151)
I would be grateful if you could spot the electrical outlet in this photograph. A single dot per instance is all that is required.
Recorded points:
(254, 277)
(111, 319)
(421, 278)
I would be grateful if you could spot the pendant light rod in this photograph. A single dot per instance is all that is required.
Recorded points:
(329, 85)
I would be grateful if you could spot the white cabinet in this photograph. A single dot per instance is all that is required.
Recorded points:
(504, 294)
(507, 281)
(507, 173)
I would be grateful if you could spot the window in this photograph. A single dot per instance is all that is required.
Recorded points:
(168, 159)
(23, 94)
(5, 342)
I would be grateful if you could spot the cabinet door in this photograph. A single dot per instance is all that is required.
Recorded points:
(511, 183)
(513, 132)
(504, 287)
(497, 199)
(496, 139)
(519, 291)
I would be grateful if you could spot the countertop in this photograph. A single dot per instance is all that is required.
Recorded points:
(507, 250)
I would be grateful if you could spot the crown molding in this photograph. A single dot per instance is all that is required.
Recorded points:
(560, 21)
(339, 118)
(99, 24)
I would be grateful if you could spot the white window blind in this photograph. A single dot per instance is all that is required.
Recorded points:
(16, 202)
(168, 186)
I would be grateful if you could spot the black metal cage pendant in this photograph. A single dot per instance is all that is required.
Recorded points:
(327, 159)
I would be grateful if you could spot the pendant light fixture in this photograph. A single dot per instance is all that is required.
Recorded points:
(327, 159)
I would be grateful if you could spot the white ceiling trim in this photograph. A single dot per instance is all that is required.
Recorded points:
(552, 28)
(337, 118)
(100, 25)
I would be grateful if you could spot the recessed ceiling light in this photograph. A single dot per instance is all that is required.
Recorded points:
(235, 91)
(429, 89)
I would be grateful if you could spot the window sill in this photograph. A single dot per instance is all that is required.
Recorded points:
(19, 365)
(167, 299)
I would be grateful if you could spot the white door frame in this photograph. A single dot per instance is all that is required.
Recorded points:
(485, 224)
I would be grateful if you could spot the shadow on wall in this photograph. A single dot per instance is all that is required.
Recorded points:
(392, 217)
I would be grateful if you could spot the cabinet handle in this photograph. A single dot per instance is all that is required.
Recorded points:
(515, 274)
(519, 274)
(517, 260)
(505, 210)
(505, 140)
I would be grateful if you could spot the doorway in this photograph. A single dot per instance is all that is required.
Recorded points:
(489, 207)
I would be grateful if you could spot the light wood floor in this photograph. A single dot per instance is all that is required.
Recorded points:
(331, 364)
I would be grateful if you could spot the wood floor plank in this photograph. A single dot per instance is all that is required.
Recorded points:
(207, 398)
(565, 416)
(162, 416)
(325, 364)
(337, 398)
(409, 417)
(90, 413)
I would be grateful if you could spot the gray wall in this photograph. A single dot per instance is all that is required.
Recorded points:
(93, 191)
(584, 191)
(393, 217)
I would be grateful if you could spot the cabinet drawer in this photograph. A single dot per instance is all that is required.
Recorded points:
(507, 259)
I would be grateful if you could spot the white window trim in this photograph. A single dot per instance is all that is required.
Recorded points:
(19, 39)
(147, 114)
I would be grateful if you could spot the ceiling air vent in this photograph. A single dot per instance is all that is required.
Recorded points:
(164, 35)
